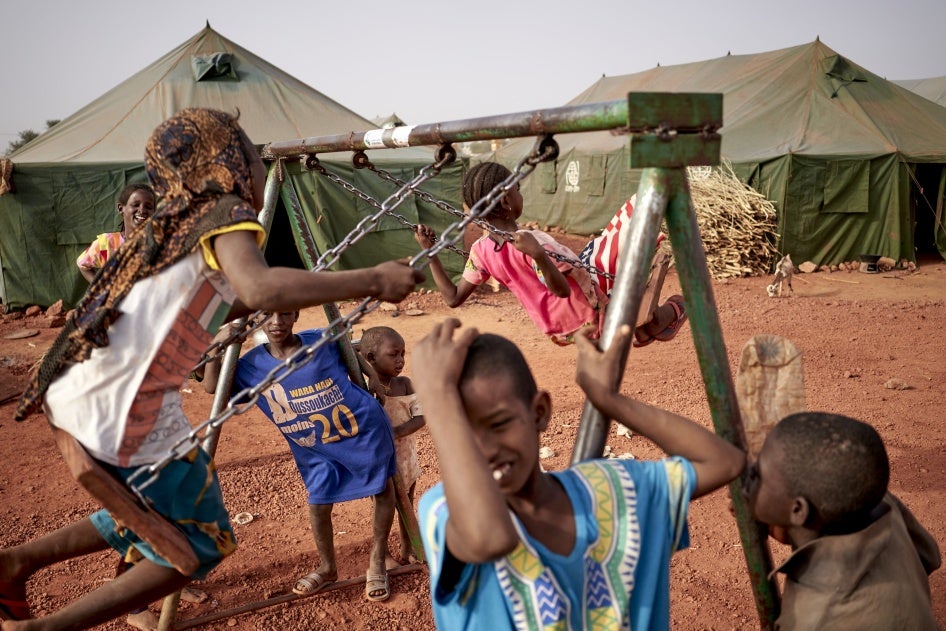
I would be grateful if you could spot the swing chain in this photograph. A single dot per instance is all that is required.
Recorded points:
(482, 223)
(331, 256)
(237, 334)
(364, 226)
(359, 159)
(545, 149)
(244, 400)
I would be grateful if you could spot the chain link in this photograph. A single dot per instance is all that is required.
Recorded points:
(245, 399)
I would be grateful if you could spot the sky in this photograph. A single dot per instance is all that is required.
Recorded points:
(430, 61)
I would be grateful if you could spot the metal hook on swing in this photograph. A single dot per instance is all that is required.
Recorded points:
(360, 159)
(310, 161)
(545, 150)
(445, 155)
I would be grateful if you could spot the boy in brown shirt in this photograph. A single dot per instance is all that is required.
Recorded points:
(860, 559)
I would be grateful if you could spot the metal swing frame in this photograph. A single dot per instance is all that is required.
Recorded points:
(668, 132)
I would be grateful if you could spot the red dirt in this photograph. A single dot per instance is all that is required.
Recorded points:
(856, 331)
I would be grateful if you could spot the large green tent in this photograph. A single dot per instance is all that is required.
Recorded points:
(65, 182)
(843, 153)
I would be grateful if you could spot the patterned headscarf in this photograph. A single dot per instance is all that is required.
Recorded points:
(198, 168)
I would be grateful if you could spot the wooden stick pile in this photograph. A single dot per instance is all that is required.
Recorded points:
(737, 223)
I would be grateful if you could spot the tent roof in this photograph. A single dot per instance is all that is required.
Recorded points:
(391, 120)
(805, 100)
(115, 127)
(932, 88)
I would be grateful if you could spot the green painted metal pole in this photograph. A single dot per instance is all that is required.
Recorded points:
(690, 259)
(309, 252)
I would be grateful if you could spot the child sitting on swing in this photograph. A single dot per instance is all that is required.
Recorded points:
(112, 378)
(559, 298)
(512, 546)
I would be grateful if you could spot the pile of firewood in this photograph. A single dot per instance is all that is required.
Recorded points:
(737, 223)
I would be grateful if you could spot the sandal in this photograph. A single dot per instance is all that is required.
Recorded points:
(310, 583)
(681, 316)
(670, 332)
(376, 587)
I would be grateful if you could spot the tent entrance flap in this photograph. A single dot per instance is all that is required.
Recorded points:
(926, 203)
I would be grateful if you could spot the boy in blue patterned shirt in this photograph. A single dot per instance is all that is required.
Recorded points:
(513, 547)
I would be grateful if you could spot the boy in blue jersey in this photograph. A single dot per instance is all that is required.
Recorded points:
(338, 434)
(513, 547)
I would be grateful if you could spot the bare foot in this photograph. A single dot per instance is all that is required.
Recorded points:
(390, 562)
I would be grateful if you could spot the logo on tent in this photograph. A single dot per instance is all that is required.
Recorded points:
(571, 177)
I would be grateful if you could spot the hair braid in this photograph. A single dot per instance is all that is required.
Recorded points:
(481, 179)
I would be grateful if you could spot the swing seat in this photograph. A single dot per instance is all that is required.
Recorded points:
(655, 282)
(169, 542)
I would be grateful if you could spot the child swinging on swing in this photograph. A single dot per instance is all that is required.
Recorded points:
(112, 377)
(559, 298)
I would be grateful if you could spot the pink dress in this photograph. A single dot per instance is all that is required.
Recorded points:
(557, 317)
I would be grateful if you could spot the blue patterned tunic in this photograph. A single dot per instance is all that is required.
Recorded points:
(630, 516)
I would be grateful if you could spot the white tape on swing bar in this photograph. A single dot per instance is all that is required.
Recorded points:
(401, 135)
(374, 139)
(392, 137)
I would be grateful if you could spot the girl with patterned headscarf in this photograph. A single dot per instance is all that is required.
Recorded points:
(112, 378)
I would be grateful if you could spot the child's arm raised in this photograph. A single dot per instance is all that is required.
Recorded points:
(259, 286)
(453, 295)
(555, 280)
(715, 461)
(479, 528)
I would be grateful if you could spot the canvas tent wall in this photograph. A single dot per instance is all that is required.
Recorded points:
(833, 145)
(67, 180)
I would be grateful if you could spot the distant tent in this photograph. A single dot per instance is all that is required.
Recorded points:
(386, 122)
(65, 182)
(933, 88)
(842, 152)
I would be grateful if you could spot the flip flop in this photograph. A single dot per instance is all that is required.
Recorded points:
(377, 584)
(680, 313)
(679, 317)
(11, 609)
(310, 583)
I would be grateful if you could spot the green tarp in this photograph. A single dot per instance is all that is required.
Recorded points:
(67, 180)
(843, 153)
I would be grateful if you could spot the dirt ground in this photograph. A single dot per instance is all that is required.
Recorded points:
(857, 332)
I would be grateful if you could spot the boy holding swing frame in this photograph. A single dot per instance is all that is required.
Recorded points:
(513, 546)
